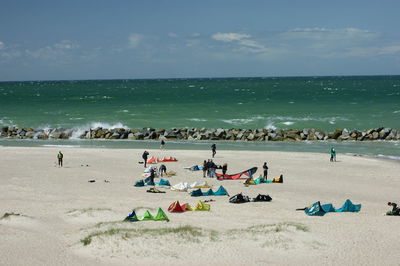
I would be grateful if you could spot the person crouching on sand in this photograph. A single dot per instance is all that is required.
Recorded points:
(395, 210)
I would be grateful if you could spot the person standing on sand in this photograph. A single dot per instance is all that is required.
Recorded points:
(205, 167)
(144, 156)
(213, 149)
(265, 167)
(60, 157)
(224, 169)
(162, 144)
(152, 175)
(333, 154)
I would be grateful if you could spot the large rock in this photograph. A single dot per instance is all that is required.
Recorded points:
(337, 133)
(41, 135)
(375, 135)
(383, 133)
(391, 135)
(115, 135)
(220, 133)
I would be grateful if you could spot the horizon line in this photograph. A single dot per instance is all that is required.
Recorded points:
(183, 78)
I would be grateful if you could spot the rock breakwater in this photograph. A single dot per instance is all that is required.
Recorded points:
(381, 133)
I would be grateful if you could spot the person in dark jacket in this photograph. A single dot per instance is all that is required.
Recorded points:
(205, 167)
(395, 210)
(265, 168)
(144, 156)
(214, 150)
(162, 169)
(224, 168)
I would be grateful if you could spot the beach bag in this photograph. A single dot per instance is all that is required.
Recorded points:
(262, 198)
(239, 198)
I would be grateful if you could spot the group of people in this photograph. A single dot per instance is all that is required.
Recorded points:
(209, 168)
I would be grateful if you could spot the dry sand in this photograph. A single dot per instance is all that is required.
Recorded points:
(58, 208)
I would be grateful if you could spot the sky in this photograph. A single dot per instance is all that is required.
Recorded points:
(129, 39)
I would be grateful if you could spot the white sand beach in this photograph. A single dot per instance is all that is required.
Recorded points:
(55, 208)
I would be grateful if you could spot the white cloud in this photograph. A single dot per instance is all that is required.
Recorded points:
(53, 52)
(2, 45)
(66, 45)
(135, 39)
(243, 42)
(229, 37)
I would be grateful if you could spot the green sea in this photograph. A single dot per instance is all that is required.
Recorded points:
(326, 103)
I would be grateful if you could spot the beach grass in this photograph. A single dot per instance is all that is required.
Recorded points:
(188, 232)
(9, 214)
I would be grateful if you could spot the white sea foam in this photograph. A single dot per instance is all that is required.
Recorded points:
(238, 121)
(197, 119)
(392, 157)
(61, 146)
(270, 126)
(242, 121)
(76, 118)
(288, 123)
(79, 130)
(307, 118)
(397, 111)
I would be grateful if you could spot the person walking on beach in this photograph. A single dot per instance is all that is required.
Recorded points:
(265, 168)
(213, 149)
(224, 169)
(333, 155)
(144, 156)
(60, 157)
(162, 144)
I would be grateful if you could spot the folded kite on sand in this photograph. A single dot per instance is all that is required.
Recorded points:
(176, 207)
(184, 186)
(160, 216)
(240, 198)
(154, 190)
(260, 180)
(146, 182)
(220, 192)
(317, 209)
(247, 173)
(194, 168)
(154, 160)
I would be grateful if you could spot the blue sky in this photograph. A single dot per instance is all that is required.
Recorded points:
(103, 39)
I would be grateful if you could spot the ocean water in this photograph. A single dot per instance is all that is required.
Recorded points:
(324, 103)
